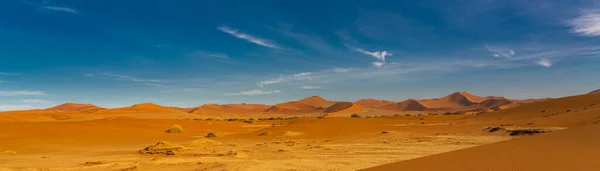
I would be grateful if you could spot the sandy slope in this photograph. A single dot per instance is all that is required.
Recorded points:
(407, 105)
(455, 100)
(372, 103)
(573, 149)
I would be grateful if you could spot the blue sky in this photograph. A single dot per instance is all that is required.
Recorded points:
(188, 53)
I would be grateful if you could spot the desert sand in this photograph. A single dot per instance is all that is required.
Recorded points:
(308, 134)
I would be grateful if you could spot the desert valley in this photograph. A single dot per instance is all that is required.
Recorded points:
(460, 131)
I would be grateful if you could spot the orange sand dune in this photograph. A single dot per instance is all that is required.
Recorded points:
(143, 108)
(343, 109)
(316, 101)
(454, 100)
(493, 103)
(373, 103)
(309, 104)
(573, 149)
(407, 105)
(233, 108)
(595, 91)
(566, 111)
(73, 107)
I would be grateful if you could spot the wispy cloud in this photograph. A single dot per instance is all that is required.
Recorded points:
(500, 51)
(61, 9)
(126, 78)
(254, 92)
(379, 55)
(545, 62)
(211, 55)
(22, 93)
(587, 24)
(310, 87)
(271, 81)
(247, 37)
(545, 56)
(341, 70)
(35, 101)
(303, 74)
(8, 74)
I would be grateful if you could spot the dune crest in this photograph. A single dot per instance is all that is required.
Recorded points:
(73, 107)
(341, 108)
(373, 103)
(407, 105)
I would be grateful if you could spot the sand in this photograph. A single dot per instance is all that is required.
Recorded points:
(560, 131)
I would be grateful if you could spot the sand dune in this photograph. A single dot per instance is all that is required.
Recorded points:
(144, 108)
(309, 104)
(373, 103)
(573, 149)
(316, 101)
(233, 108)
(455, 100)
(343, 108)
(493, 103)
(595, 91)
(111, 139)
(73, 107)
(407, 105)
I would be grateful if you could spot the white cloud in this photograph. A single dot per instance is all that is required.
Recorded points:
(273, 81)
(310, 87)
(587, 24)
(211, 54)
(545, 62)
(254, 92)
(247, 37)
(127, 78)
(22, 93)
(378, 64)
(14, 107)
(62, 9)
(379, 55)
(35, 101)
(303, 74)
(500, 51)
(341, 70)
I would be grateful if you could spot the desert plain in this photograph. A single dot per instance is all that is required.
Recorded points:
(460, 131)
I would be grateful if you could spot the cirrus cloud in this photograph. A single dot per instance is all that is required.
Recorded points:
(253, 92)
(247, 37)
(22, 93)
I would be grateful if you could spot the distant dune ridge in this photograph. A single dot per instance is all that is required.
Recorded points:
(309, 104)
(313, 105)
(341, 108)
(373, 103)
(595, 91)
(454, 100)
(407, 105)
(73, 107)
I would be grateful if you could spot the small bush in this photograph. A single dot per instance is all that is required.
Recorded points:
(398, 115)
(175, 129)
(384, 132)
(368, 117)
(263, 134)
(208, 119)
(355, 116)
(211, 135)
(249, 121)
(407, 115)
(320, 117)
